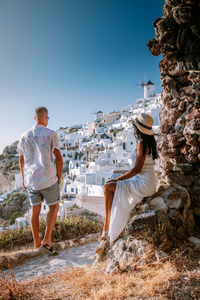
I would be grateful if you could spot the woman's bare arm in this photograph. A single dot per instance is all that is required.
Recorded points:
(140, 158)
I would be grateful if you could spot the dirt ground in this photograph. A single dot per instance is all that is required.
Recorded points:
(178, 277)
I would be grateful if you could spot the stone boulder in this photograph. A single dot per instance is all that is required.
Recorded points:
(162, 219)
(167, 215)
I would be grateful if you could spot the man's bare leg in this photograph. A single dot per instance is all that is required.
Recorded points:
(50, 223)
(35, 225)
(109, 191)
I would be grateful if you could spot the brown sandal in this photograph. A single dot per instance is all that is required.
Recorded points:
(50, 249)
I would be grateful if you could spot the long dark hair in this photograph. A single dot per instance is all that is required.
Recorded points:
(147, 141)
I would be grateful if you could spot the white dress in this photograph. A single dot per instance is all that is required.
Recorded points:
(128, 193)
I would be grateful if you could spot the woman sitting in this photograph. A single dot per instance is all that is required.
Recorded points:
(124, 192)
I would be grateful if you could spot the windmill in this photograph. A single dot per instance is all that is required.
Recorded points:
(141, 83)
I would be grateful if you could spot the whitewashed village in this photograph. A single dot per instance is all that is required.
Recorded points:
(94, 153)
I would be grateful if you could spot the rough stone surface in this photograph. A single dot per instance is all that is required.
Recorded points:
(167, 216)
(194, 240)
(159, 254)
(142, 224)
(162, 218)
(158, 203)
(177, 38)
(126, 253)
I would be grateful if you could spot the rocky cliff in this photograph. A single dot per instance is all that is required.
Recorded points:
(16, 202)
(9, 166)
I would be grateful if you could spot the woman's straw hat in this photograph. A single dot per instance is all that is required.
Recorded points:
(144, 123)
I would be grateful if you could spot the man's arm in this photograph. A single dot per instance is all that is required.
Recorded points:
(21, 164)
(59, 163)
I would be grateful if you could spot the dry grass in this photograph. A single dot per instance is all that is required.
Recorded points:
(10, 288)
(177, 278)
(71, 228)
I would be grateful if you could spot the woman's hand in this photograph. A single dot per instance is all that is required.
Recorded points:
(112, 180)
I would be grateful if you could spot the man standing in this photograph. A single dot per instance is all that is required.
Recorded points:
(39, 176)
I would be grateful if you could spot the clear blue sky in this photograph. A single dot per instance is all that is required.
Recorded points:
(73, 56)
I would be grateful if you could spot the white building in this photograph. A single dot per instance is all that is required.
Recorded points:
(62, 212)
(3, 197)
(149, 89)
(94, 190)
(21, 222)
(108, 119)
(18, 180)
(107, 145)
(98, 116)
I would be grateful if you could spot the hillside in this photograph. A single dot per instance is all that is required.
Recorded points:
(9, 166)
(14, 206)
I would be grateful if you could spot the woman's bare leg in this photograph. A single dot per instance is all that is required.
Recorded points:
(109, 190)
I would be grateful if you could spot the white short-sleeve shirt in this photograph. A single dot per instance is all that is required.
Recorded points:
(37, 146)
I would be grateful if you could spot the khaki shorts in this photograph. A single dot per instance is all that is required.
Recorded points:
(51, 195)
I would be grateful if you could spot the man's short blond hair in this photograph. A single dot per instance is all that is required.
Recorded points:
(40, 112)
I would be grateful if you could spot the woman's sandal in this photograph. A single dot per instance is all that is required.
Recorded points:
(50, 249)
(104, 236)
(103, 245)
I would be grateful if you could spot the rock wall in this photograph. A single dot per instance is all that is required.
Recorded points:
(177, 38)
